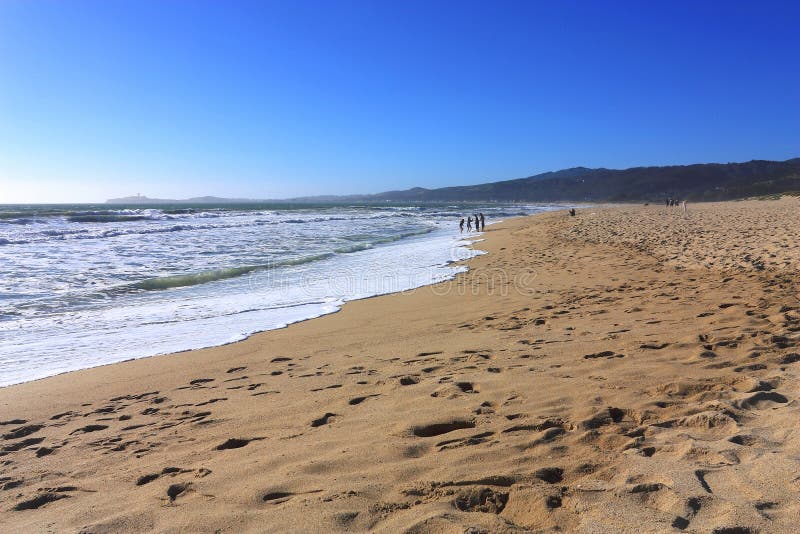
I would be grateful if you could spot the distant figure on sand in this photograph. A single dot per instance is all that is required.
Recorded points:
(483, 222)
(684, 207)
(461, 225)
(572, 212)
(469, 224)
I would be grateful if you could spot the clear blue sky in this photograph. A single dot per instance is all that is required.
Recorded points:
(274, 99)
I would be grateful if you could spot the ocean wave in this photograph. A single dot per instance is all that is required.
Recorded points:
(170, 282)
(84, 233)
(157, 230)
(312, 220)
(19, 220)
(63, 233)
(179, 211)
(101, 224)
(5, 215)
(207, 283)
(368, 241)
(358, 237)
(353, 248)
(107, 218)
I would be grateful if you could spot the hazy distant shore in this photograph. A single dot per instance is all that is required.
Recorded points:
(698, 182)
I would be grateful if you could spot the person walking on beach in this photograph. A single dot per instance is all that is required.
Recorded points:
(469, 224)
(684, 208)
(483, 222)
(461, 225)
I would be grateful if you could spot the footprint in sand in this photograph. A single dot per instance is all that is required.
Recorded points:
(45, 497)
(475, 439)
(324, 420)
(198, 381)
(175, 490)
(23, 431)
(19, 445)
(235, 443)
(439, 428)
(608, 354)
(551, 475)
(761, 400)
(277, 497)
(171, 471)
(17, 421)
(485, 500)
(358, 400)
(88, 428)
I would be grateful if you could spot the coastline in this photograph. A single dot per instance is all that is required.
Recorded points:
(436, 250)
(470, 241)
(564, 381)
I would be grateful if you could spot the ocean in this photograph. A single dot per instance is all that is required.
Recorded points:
(87, 285)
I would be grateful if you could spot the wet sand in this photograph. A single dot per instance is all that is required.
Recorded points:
(624, 370)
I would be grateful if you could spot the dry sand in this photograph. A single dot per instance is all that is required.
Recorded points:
(625, 370)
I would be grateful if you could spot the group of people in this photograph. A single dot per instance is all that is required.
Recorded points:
(672, 202)
(480, 223)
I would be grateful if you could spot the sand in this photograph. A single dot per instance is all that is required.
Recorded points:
(624, 370)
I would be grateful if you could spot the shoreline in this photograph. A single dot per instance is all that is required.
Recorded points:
(469, 240)
(576, 378)
(478, 237)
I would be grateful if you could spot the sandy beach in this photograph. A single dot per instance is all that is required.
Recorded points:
(625, 370)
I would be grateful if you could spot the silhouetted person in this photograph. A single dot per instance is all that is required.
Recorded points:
(469, 224)
(461, 225)
(483, 222)
(572, 212)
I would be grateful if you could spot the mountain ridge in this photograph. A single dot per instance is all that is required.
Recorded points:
(695, 182)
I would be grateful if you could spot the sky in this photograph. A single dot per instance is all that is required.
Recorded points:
(275, 99)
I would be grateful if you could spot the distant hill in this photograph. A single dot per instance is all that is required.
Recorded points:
(708, 181)
(712, 181)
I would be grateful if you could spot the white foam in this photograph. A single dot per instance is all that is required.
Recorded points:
(221, 312)
(69, 297)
